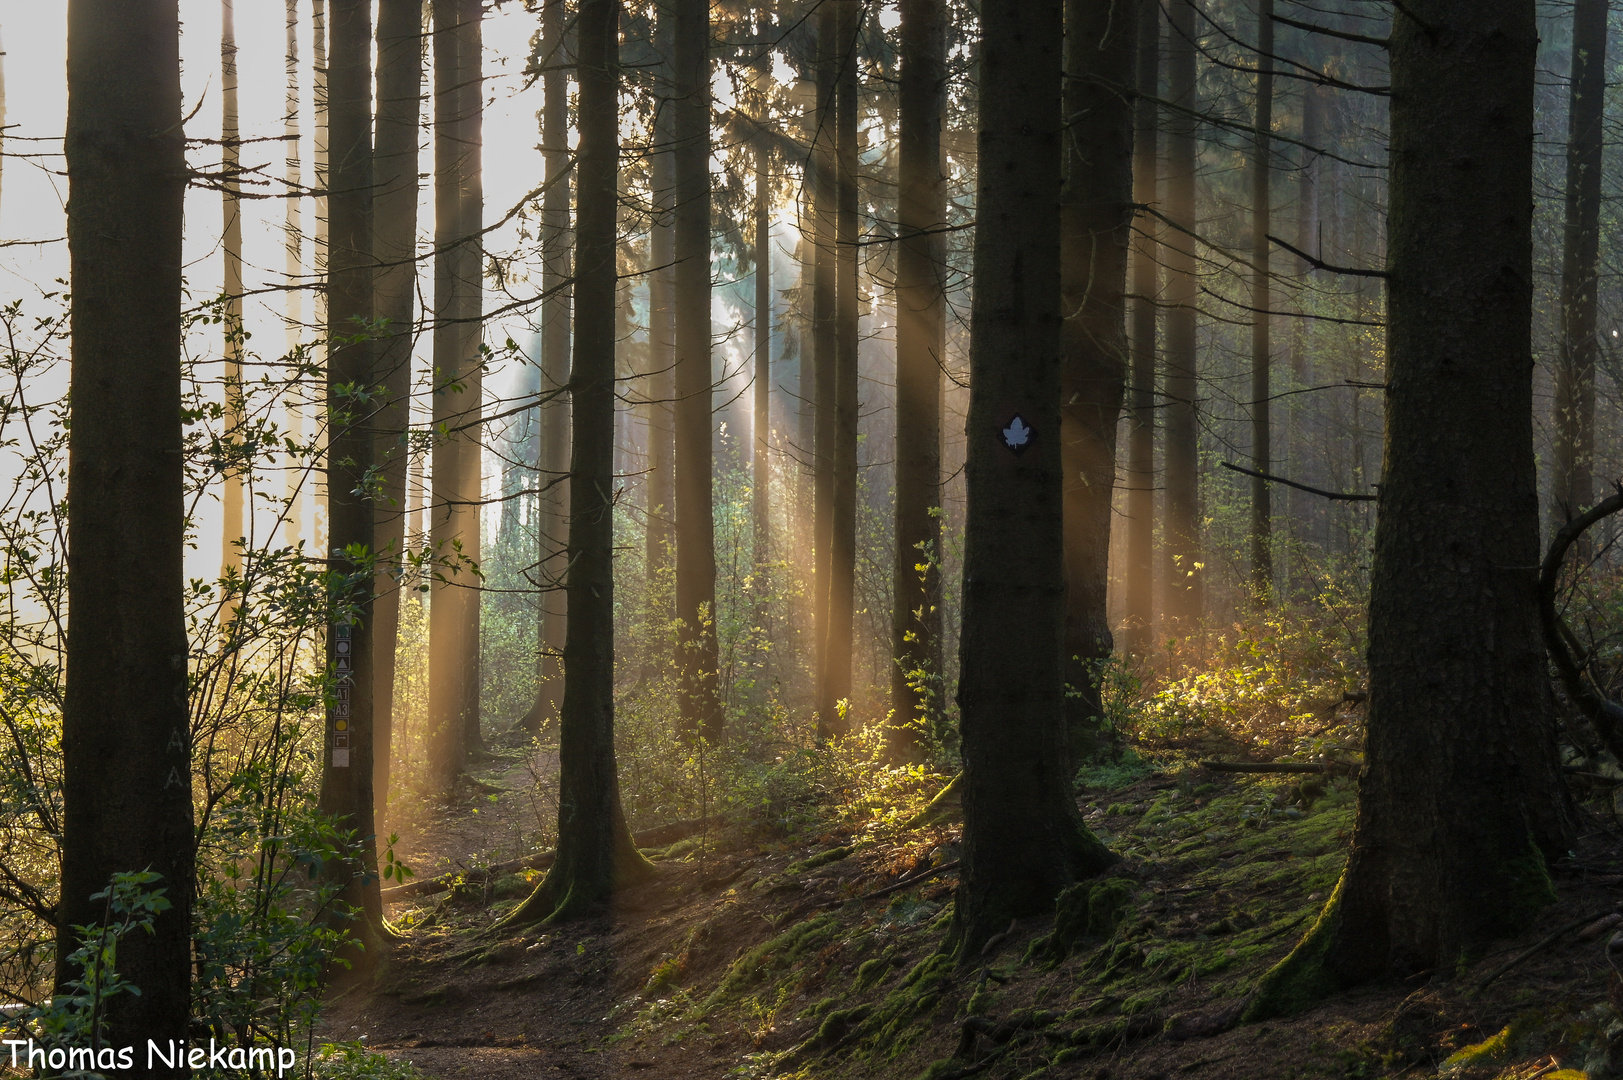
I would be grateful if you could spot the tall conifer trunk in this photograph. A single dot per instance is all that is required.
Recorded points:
(1096, 216)
(1140, 569)
(662, 329)
(1183, 586)
(293, 271)
(1573, 480)
(555, 334)
(825, 197)
(347, 779)
(394, 231)
(470, 314)
(760, 461)
(916, 678)
(594, 846)
(1023, 839)
(233, 532)
(126, 743)
(1262, 558)
(835, 685)
(695, 527)
(454, 404)
(1457, 692)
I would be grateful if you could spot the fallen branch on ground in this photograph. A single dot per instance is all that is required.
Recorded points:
(897, 887)
(1331, 768)
(658, 836)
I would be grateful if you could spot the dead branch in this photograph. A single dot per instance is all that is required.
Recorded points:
(1565, 653)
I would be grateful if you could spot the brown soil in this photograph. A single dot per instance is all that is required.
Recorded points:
(578, 1000)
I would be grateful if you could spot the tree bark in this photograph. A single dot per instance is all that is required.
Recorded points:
(293, 271)
(1140, 570)
(1183, 582)
(394, 232)
(835, 685)
(695, 527)
(916, 675)
(1262, 541)
(1096, 218)
(595, 850)
(1572, 482)
(232, 532)
(662, 339)
(347, 778)
(470, 313)
(825, 197)
(126, 744)
(454, 406)
(555, 335)
(760, 460)
(1023, 839)
(1460, 800)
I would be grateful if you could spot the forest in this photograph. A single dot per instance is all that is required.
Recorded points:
(811, 539)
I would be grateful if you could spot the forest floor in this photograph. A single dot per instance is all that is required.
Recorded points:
(762, 957)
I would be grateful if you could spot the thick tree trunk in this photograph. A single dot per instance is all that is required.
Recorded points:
(126, 744)
(915, 624)
(695, 527)
(825, 197)
(347, 779)
(1572, 480)
(470, 313)
(394, 233)
(1023, 839)
(1461, 798)
(1096, 217)
(835, 685)
(555, 334)
(232, 533)
(1183, 582)
(594, 845)
(1140, 570)
(454, 405)
(1262, 540)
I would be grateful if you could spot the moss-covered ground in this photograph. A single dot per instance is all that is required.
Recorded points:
(762, 957)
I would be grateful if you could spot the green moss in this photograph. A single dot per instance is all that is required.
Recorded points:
(891, 1026)
(779, 952)
(1086, 909)
(1301, 979)
(871, 972)
(822, 858)
(840, 1023)
(1498, 1050)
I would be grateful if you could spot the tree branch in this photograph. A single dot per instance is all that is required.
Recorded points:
(1328, 32)
(1320, 264)
(1340, 496)
(1559, 641)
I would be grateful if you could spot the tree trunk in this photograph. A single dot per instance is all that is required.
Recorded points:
(394, 232)
(661, 337)
(293, 270)
(347, 779)
(319, 165)
(1262, 540)
(555, 334)
(594, 845)
(1183, 583)
(824, 199)
(126, 744)
(470, 313)
(1460, 800)
(761, 462)
(232, 532)
(1140, 570)
(1096, 218)
(835, 685)
(454, 405)
(1307, 218)
(1573, 479)
(916, 677)
(1023, 839)
(695, 528)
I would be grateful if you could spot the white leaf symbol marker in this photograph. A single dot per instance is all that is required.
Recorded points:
(1017, 436)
